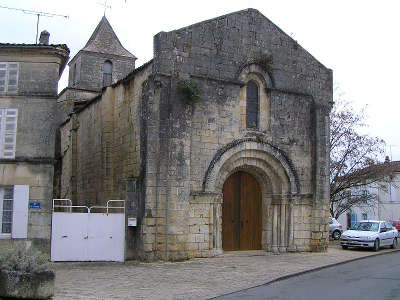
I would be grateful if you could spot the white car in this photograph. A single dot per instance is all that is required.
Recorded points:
(370, 234)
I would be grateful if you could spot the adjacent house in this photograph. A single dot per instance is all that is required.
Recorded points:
(29, 76)
(386, 206)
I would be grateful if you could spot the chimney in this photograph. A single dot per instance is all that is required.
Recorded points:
(44, 37)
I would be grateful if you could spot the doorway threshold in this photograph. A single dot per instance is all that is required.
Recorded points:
(244, 253)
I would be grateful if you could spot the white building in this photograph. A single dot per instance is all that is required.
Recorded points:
(386, 208)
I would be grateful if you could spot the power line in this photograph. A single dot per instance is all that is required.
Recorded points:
(37, 13)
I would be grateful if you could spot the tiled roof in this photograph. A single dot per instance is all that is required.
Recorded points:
(396, 165)
(35, 46)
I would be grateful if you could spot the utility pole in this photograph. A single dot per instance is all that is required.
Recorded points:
(38, 14)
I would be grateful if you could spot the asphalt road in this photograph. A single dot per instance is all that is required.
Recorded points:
(375, 278)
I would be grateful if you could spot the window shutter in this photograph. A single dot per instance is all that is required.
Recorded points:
(3, 69)
(20, 212)
(9, 77)
(12, 77)
(8, 131)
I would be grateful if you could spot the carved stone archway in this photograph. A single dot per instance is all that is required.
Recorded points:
(276, 177)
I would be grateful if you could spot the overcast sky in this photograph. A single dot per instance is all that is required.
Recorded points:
(358, 39)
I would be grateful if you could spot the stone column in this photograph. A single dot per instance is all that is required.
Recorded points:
(291, 246)
(282, 244)
(270, 227)
(275, 230)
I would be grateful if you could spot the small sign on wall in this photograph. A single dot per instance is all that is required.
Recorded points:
(131, 221)
(35, 205)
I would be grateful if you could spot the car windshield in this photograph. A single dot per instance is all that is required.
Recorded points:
(365, 226)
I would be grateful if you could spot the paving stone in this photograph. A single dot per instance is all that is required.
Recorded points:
(193, 279)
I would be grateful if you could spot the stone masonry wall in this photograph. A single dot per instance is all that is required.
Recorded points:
(91, 69)
(47, 70)
(212, 54)
(107, 144)
(39, 177)
(66, 161)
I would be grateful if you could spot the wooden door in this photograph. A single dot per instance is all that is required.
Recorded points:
(241, 213)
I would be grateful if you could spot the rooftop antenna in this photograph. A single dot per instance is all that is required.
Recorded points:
(38, 14)
(104, 4)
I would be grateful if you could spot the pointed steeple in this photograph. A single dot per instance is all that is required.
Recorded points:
(104, 40)
(101, 62)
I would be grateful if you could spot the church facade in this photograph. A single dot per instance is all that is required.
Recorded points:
(219, 143)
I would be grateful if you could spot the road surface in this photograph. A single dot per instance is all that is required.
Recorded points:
(377, 277)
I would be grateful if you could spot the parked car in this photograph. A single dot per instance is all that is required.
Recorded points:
(335, 228)
(396, 224)
(370, 234)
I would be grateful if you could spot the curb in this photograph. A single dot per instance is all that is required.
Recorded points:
(304, 272)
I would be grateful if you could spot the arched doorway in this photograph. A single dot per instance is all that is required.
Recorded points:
(241, 213)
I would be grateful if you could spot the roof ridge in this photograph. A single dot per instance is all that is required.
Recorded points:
(104, 22)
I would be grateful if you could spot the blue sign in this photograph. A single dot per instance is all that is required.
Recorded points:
(35, 205)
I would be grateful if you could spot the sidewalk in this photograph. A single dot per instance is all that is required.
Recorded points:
(194, 279)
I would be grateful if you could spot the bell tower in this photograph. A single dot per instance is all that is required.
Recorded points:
(101, 62)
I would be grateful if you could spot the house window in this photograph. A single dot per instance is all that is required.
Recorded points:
(8, 77)
(8, 131)
(6, 210)
(107, 73)
(252, 100)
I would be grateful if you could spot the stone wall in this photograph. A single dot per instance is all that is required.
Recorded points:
(100, 145)
(36, 125)
(39, 177)
(299, 92)
(91, 69)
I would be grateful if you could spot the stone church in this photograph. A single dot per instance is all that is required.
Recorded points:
(219, 143)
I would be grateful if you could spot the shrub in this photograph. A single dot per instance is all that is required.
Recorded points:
(188, 91)
(20, 260)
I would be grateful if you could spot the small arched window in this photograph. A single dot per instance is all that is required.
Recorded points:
(252, 100)
(107, 73)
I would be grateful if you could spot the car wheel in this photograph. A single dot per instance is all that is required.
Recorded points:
(344, 247)
(336, 235)
(394, 245)
(376, 245)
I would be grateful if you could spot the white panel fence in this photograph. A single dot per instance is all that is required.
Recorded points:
(88, 235)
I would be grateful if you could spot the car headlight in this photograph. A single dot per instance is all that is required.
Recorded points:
(368, 238)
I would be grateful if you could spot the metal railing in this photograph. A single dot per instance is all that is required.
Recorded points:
(70, 207)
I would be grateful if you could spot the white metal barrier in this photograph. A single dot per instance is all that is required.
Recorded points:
(89, 235)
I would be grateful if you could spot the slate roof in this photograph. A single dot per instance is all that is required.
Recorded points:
(104, 40)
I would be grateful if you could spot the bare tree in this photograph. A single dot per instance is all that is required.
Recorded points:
(356, 159)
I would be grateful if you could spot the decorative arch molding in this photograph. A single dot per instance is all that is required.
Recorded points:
(254, 68)
(271, 161)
